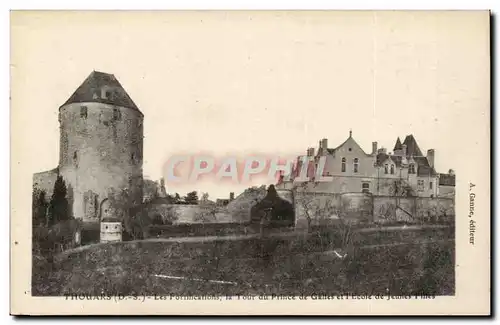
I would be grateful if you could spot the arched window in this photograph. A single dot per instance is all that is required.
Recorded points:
(75, 157)
(356, 165)
(343, 164)
(392, 169)
(386, 169)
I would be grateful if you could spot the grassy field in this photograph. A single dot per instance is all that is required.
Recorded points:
(399, 261)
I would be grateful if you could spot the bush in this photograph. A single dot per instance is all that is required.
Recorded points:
(48, 241)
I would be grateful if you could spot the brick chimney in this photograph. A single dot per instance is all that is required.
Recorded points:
(374, 147)
(310, 152)
(324, 144)
(405, 150)
(430, 157)
(231, 196)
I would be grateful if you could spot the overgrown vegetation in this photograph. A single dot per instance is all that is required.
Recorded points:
(283, 265)
(53, 227)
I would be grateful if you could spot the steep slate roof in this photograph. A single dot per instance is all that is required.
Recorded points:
(424, 169)
(412, 148)
(398, 145)
(447, 179)
(90, 91)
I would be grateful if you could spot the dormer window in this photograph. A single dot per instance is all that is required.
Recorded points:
(356, 165)
(343, 165)
(107, 93)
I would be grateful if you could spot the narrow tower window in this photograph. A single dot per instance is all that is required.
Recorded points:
(117, 114)
(411, 169)
(75, 157)
(83, 112)
(356, 165)
(392, 169)
(343, 164)
(386, 169)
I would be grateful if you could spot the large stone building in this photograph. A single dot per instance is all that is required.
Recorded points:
(403, 172)
(101, 149)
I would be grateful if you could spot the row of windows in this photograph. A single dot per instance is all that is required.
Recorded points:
(355, 165)
(387, 168)
(75, 156)
(421, 185)
(117, 116)
(365, 186)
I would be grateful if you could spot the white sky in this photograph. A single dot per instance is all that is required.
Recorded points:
(274, 83)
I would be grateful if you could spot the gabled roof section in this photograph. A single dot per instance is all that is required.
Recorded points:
(412, 148)
(398, 145)
(100, 87)
(332, 151)
(382, 157)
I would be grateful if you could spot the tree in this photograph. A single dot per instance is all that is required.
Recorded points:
(121, 203)
(130, 212)
(59, 209)
(272, 210)
(191, 198)
(204, 197)
(401, 188)
(163, 190)
(150, 190)
(177, 198)
(39, 208)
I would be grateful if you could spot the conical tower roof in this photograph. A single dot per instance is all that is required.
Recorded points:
(100, 87)
(398, 145)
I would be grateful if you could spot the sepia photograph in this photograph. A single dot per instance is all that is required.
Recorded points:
(276, 159)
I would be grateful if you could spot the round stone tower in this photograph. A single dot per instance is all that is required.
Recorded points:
(101, 142)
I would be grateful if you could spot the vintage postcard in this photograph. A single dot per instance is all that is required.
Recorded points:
(250, 163)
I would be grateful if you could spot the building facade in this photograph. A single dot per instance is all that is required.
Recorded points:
(403, 172)
(101, 149)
